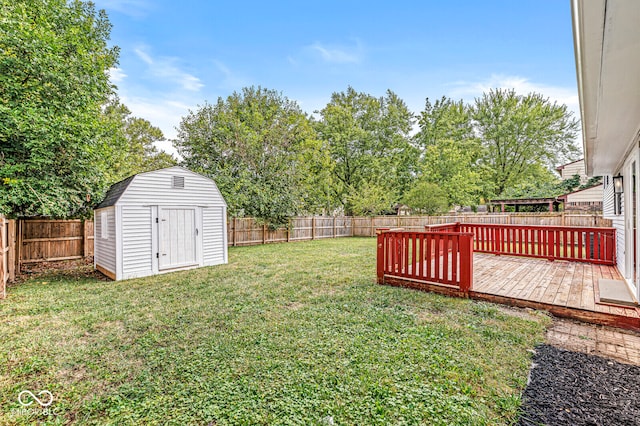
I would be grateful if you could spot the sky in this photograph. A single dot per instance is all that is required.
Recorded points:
(177, 55)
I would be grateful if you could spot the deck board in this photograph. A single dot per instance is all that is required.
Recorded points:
(564, 288)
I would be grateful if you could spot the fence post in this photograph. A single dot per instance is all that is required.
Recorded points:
(264, 233)
(85, 238)
(19, 247)
(12, 250)
(466, 262)
(289, 230)
(380, 257)
(313, 228)
(371, 228)
(235, 227)
(334, 226)
(353, 225)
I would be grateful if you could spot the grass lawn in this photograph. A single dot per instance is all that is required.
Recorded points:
(284, 334)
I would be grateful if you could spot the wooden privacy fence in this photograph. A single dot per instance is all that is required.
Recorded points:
(41, 240)
(366, 226)
(7, 254)
(416, 259)
(248, 231)
(593, 245)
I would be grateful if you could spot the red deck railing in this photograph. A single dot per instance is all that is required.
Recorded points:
(429, 257)
(578, 244)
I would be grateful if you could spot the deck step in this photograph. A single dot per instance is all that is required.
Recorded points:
(615, 292)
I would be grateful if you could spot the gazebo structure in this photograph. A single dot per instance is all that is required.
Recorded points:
(553, 203)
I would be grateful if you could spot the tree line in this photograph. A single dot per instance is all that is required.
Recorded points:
(66, 137)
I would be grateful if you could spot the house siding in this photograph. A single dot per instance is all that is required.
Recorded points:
(608, 212)
(588, 195)
(137, 260)
(105, 248)
(571, 169)
(213, 236)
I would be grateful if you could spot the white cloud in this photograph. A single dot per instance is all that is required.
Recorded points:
(230, 79)
(469, 90)
(116, 75)
(166, 68)
(338, 54)
(162, 113)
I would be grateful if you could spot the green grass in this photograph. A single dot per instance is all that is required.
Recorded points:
(284, 334)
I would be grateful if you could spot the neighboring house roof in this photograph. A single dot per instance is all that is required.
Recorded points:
(564, 165)
(115, 192)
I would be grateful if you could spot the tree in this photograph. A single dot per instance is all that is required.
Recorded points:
(54, 63)
(134, 150)
(369, 143)
(450, 151)
(259, 147)
(370, 200)
(426, 197)
(519, 133)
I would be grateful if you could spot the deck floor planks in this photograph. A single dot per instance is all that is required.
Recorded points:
(528, 280)
(562, 294)
(588, 297)
(564, 284)
(504, 285)
(549, 294)
(574, 298)
(536, 286)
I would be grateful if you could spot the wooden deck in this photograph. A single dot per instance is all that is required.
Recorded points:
(566, 289)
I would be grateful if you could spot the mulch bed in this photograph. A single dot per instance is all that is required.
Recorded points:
(572, 388)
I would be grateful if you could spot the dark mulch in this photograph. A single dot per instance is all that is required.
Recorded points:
(572, 388)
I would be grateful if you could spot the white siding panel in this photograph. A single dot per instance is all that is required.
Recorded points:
(105, 248)
(137, 255)
(213, 230)
(587, 195)
(156, 188)
(577, 168)
(608, 212)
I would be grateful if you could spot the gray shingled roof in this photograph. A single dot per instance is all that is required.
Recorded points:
(114, 192)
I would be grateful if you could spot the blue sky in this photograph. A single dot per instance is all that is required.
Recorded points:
(175, 55)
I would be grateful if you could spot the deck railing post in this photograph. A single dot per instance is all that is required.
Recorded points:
(380, 258)
(466, 262)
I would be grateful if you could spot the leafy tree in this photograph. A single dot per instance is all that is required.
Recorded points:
(570, 184)
(260, 148)
(445, 120)
(134, 150)
(520, 133)
(541, 183)
(370, 200)
(450, 151)
(426, 197)
(591, 182)
(54, 60)
(369, 143)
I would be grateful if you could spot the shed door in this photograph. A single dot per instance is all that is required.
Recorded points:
(177, 238)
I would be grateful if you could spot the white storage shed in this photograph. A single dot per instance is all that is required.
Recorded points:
(160, 221)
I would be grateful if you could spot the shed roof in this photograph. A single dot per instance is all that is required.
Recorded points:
(115, 192)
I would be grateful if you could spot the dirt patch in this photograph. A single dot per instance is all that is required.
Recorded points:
(573, 388)
(69, 269)
(523, 313)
